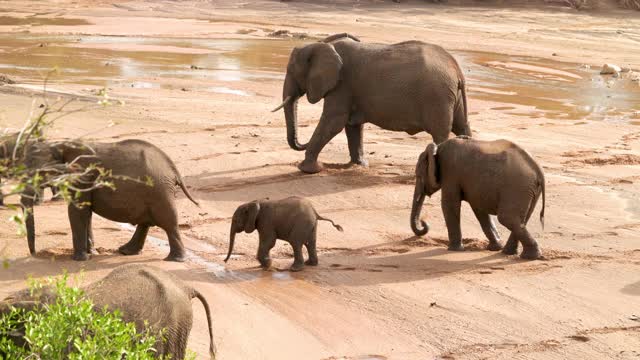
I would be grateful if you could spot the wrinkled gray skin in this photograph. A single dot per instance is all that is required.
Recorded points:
(410, 86)
(141, 293)
(494, 177)
(7, 144)
(292, 219)
(131, 202)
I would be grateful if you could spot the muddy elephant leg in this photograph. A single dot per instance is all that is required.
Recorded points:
(489, 229)
(311, 249)
(451, 210)
(298, 258)
(328, 127)
(267, 242)
(176, 247)
(354, 139)
(135, 245)
(79, 220)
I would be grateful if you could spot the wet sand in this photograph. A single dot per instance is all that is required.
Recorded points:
(379, 292)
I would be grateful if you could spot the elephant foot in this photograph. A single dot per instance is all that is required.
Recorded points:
(510, 249)
(360, 162)
(176, 258)
(494, 246)
(456, 247)
(265, 264)
(311, 262)
(296, 267)
(128, 250)
(530, 253)
(310, 166)
(81, 256)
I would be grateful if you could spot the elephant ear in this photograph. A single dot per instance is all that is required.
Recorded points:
(324, 65)
(253, 208)
(66, 152)
(432, 166)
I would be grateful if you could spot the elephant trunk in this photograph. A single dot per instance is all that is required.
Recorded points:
(232, 240)
(418, 201)
(292, 93)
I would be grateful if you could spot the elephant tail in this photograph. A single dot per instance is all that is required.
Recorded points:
(205, 304)
(338, 227)
(180, 183)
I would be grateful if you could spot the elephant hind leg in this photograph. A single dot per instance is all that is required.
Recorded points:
(135, 245)
(165, 216)
(489, 229)
(311, 248)
(519, 232)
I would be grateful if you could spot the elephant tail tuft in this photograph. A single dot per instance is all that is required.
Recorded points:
(338, 227)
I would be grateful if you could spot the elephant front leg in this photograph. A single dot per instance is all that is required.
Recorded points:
(267, 242)
(355, 139)
(135, 245)
(79, 220)
(451, 210)
(489, 229)
(328, 127)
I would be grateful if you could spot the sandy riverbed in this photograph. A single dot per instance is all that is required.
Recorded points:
(379, 292)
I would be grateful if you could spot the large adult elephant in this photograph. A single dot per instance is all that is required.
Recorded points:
(410, 86)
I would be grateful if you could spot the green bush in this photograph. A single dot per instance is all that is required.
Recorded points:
(70, 328)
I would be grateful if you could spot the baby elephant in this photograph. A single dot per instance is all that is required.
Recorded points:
(145, 295)
(292, 219)
(494, 177)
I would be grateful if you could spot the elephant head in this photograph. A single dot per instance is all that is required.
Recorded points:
(426, 184)
(244, 219)
(313, 70)
(50, 159)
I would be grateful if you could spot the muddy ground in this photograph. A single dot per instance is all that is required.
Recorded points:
(379, 292)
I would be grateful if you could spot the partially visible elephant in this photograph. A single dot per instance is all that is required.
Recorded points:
(292, 219)
(132, 201)
(494, 177)
(141, 293)
(410, 86)
(7, 145)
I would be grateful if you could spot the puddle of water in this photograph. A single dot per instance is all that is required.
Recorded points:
(559, 90)
(112, 60)
(38, 21)
(226, 90)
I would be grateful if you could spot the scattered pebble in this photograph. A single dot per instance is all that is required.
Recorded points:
(610, 69)
(194, 67)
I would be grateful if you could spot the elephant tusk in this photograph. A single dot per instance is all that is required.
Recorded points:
(286, 100)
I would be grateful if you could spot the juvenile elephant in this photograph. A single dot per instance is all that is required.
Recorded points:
(494, 177)
(410, 86)
(132, 201)
(141, 293)
(292, 219)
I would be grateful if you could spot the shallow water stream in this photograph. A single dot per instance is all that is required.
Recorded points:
(545, 88)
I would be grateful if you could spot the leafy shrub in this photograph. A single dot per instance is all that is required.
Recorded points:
(70, 328)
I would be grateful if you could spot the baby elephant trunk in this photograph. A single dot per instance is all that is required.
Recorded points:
(418, 226)
(232, 239)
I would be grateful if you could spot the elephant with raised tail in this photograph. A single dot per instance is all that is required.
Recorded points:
(494, 177)
(410, 86)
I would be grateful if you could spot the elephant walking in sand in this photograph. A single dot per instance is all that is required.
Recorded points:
(494, 177)
(410, 86)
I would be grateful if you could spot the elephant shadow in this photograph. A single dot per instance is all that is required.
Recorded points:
(232, 185)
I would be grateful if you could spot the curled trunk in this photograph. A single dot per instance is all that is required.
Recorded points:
(291, 112)
(418, 226)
